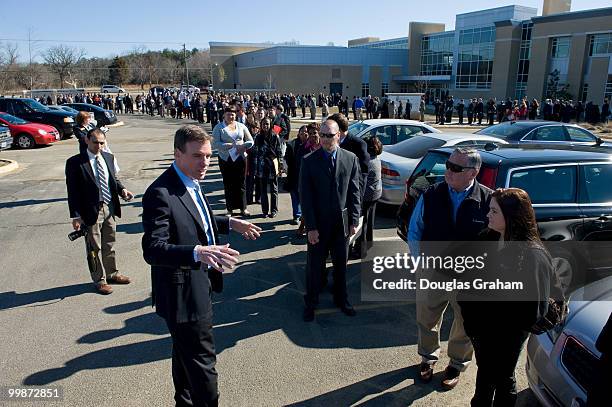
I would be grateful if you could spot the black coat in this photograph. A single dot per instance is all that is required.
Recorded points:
(83, 191)
(324, 196)
(172, 228)
(358, 147)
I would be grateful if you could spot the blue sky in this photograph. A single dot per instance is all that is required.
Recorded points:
(159, 24)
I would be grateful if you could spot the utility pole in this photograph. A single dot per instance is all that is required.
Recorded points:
(185, 64)
(30, 52)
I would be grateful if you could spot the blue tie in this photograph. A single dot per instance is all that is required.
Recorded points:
(207, 224)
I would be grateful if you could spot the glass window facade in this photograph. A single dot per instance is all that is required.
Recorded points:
(384, 88)
(395, 43)
(475, 64)
(523, 65)
(560, 47)
(365, 89)
(437, 54)
(608, 90)
(600, 44)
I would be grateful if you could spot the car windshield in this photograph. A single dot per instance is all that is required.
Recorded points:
(509, 130)
(12, 119)
(356, 128)
(34, 105)
(414, 147)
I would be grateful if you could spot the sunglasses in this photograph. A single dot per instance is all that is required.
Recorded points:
(456, 167)
(328, 135)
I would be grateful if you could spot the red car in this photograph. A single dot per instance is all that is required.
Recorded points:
(27, 134)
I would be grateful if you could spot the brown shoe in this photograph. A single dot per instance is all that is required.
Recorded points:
(104, 289)
(426, 372)
(451, 378)
(119, 279)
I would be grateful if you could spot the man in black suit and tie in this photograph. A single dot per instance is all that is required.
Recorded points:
(330, 199)
(93, 200)
(356, 146)
(180, 243)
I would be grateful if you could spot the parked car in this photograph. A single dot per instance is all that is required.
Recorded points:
(32, 111)
(64, 108)
(561, 363)
(390, 131)
(542, 132)
(568, 185)
(190, 88)
(157, 89)
(6, 139)
(29, 135)
(111, 89)
(103, 117)
(398, 160)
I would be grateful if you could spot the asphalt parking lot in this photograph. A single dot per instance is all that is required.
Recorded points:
(114, 350)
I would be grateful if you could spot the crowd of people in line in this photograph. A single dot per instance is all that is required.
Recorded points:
(210, 107)
(475, 110)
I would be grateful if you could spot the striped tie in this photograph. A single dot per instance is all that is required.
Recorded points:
(104, 189)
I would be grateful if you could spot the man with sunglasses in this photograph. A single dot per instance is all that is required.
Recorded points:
(331, 202)
(452, 210)
(93, 200)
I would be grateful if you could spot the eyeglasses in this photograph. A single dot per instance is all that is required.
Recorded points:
(328, 135)
(456, 167)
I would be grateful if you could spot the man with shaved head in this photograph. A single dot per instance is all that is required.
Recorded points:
(331, 202)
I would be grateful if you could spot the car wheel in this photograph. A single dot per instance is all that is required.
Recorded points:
(61, 133)
(25, 141)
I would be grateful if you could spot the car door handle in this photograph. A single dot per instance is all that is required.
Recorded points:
(602, 221)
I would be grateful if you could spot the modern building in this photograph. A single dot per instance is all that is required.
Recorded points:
(501, 52)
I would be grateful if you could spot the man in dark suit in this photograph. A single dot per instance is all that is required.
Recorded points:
(331, 202)
(180, 243)
(93, 201)
(356, 146)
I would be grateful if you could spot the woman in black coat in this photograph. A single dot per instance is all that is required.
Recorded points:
(267, 152)
(293, 156)
(498, 322)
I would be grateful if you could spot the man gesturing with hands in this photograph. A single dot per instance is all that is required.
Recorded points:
(180, 243)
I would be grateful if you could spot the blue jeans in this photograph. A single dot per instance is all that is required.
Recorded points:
(295, 204)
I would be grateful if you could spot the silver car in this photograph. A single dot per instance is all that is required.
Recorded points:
(390, 131)
(561, 363)
(399, 160)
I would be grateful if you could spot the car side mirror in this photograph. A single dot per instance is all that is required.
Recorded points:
(599, 141)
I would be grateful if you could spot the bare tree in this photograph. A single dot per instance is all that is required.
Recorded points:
(61, 59)
(8, 65)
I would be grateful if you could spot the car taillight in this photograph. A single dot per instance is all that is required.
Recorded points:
(389, 173)
(487, 176)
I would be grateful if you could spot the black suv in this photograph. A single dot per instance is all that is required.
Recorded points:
(103, 117)
(570, 188)
(32, 111)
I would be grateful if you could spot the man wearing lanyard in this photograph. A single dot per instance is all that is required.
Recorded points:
(180, 243)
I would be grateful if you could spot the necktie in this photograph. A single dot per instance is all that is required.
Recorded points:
(331, 164)
(104, 189)
(207, 224)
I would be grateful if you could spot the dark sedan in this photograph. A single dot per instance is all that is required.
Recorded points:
(542, 132)
(103, 117)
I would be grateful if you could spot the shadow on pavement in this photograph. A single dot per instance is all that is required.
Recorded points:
(352, 394)
(30, 202)
(12, 299)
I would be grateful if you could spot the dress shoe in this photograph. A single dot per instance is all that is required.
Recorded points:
(426, 372)
(451, 378)
(273, 215)
(229, 213)
(245, 213)
(119, 279)
(295, 221)
(104, 289)
(308, 314)
(346, 308)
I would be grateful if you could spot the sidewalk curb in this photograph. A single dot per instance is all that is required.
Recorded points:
(10, 167)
